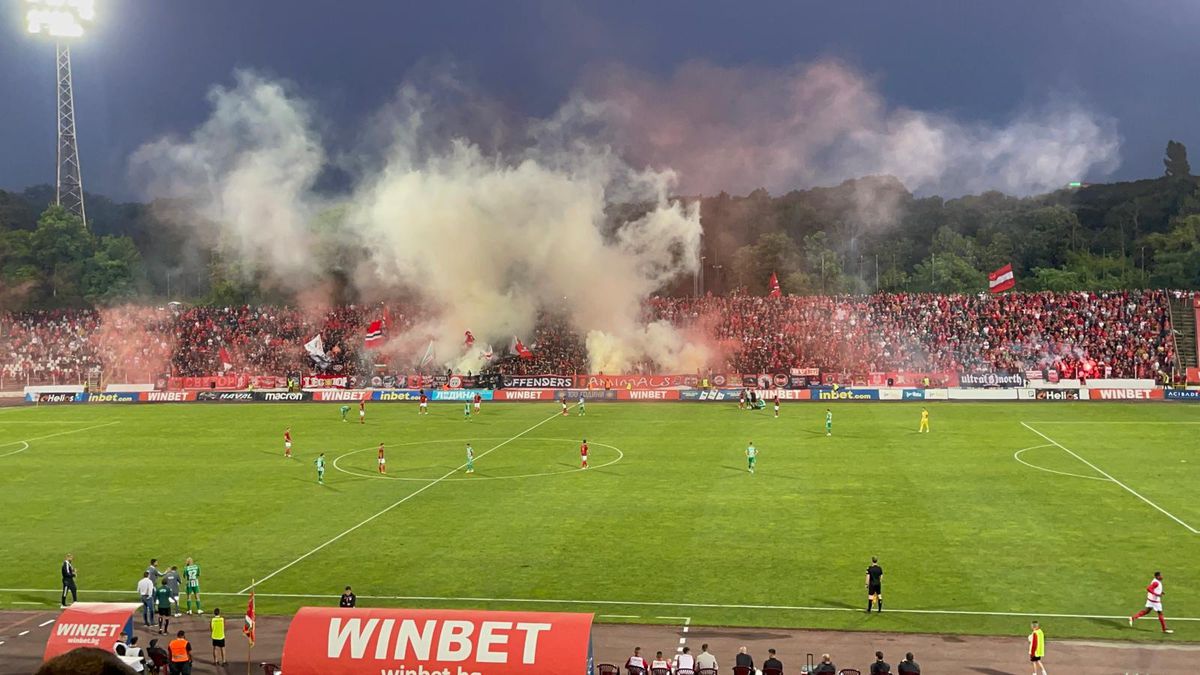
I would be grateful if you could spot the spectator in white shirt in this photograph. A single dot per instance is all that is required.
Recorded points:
(660, 663)
(636, 661)
(705, 660)
(145, 589)
(685, 660)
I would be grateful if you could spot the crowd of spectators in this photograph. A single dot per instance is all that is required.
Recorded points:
(1116, 334)
(743, 663)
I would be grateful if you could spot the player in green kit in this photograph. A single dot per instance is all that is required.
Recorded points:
(582, 410)
(470, 459)
(345, 411)
(191, 580)
(467, 411)
(828, 422)
(320, 462)
(751, 456)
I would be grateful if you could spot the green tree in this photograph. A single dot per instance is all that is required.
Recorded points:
(1176, 161)
(1177, 255)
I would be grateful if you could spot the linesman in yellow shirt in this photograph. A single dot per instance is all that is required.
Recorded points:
(924, 422)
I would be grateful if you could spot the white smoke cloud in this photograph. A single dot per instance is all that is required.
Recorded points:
(486, 238)
(737, 129)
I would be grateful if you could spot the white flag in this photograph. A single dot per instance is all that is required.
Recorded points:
(316, 351)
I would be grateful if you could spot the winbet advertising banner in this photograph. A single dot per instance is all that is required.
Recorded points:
(351, 641)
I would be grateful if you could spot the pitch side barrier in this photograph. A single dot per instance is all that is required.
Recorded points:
(1095, 392)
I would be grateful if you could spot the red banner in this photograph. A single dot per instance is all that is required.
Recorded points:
(230, 381)
(907, 379)
(341, 395)
(1193, 374)
(523, 395)
(640, 381)
(647, 395)
(90, 624)
(1124, 394)
(325, 382)
(346, 641)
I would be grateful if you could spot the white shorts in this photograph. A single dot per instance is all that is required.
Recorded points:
(776, 408)
(288, 445)
(477, 406)
(1156, 606)
(423, 405)
(362, 413)
(382, 461)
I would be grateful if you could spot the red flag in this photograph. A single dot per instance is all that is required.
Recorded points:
(1002, 279)
(248, 627)
(374, 336)
(776, 291)
(468, 338)
(521, 350)
(226, 359)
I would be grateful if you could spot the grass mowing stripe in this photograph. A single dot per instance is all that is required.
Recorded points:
(401, 501)
(630, 603)
(1100, 471)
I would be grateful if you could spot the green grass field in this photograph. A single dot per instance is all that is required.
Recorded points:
(668, 513)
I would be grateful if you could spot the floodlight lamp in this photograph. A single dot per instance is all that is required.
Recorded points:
(59, 18)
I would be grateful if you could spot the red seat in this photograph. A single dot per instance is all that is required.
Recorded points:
(635, 670)
(849, 671)
(772, 671)
(607, 669)
(743, 670)
(707, 671)
(270, 669)
(660, 671)
(685, 671)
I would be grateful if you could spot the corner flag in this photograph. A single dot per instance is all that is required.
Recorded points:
(248, 627)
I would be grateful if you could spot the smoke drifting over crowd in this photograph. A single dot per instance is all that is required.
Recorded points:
(737, 129)
(484, 239)
(489, 220)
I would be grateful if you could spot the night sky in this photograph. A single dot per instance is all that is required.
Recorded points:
(145, 68)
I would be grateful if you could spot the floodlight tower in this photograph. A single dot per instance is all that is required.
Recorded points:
(64, 20)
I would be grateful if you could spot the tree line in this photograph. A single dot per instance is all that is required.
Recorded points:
(865, 235)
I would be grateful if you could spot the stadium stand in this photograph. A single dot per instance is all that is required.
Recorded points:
(1125, 334)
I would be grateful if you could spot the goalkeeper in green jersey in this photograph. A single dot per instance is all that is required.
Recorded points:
(751, 456)
(345, 411)
(320, 462)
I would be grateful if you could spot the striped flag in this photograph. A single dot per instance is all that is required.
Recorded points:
(374, 337)
(1001, 280)
(248, 627)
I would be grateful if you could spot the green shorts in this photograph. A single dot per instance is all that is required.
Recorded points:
(192, 590)
(751, 460)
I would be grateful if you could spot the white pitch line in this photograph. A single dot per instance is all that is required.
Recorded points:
(1017, 456)
(42, 438)
(618, 603)
(23, 633)
(405, 499)
(45, 623)
(1102, 472)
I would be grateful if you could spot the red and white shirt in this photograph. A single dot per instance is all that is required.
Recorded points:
(583, 450)
(660, 664)
(1154, 591)
(636, 662)
(287, 437)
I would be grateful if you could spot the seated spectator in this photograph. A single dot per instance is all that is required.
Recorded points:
(908, 666)
(772, 663)
(660, 663)
(825, 667)
(880, 667)
(743, 659)
(636, 663)
(705, 659)
(684, 660)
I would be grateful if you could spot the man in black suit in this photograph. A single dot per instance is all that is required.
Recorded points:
(743, 659)
(772, 663)
(68, 579)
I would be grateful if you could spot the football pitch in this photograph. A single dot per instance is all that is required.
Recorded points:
(1005, 512)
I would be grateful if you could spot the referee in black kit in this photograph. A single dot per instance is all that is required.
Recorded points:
(68, 578)
(874, 585)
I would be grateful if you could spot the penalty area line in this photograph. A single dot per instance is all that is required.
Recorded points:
(629, 603)
(1104, 473)
(399, 502)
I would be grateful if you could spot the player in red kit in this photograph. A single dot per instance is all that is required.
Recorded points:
(564, 405)
(382, 461)
(478, 401)
(362, 412)
(1154, 593)
(424, 409)
(583, 450)
(287, 442)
